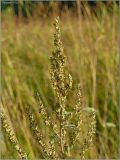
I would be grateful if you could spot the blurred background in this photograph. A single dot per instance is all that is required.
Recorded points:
(90, 38)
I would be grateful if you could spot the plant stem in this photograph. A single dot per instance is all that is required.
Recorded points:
(61, 131)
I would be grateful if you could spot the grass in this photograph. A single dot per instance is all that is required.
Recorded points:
(91, 45)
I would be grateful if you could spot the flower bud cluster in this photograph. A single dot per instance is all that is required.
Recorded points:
(13, 140)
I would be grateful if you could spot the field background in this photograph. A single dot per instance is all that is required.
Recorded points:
(90, 40)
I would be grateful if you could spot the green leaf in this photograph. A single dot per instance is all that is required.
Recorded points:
(109, 124)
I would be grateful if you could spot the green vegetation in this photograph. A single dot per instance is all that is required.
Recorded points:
(91, 48)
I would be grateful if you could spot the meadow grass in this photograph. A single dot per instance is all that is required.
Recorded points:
(91, 47)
